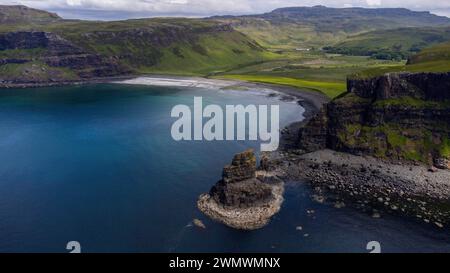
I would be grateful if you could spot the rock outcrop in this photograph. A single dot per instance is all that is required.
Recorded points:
(396, 116)
(426, 86)
(244, 198)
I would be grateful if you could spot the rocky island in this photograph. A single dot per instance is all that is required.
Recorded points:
(245, 198)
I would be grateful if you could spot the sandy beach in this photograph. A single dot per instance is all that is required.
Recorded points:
(312, 101)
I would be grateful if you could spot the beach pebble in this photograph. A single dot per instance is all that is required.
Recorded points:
(339, 205)
(319, 199)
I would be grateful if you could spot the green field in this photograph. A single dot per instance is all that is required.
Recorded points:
(331, 89)
(314, 70)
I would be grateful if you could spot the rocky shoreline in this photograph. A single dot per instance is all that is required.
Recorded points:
(11, 85)
(369, 184)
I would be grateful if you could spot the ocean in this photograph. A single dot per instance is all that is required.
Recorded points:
(97, 164)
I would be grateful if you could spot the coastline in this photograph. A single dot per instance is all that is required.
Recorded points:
(403, 188)
(310, 100)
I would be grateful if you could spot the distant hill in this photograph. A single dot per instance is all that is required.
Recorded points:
(391, 44)
(321, 26)
(23, 14)
(356, 19)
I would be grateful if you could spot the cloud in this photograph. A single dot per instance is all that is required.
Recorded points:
(140, 8)
(373, 2)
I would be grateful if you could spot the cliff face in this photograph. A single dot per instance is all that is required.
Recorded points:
(396, 116)
(426, 86)
(48, 53)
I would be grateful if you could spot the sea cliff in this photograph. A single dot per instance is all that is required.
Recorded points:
(395, 116)
(383, 147)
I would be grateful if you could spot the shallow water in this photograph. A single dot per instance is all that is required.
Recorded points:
(96, 164)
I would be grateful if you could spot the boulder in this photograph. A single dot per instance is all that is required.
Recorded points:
(442, 163)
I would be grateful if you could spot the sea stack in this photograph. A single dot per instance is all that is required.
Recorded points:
(245, 198)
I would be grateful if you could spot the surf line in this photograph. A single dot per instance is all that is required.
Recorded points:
(235, 123)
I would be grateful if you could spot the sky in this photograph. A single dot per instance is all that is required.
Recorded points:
(124, 9)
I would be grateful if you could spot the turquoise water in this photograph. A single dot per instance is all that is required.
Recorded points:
(97, 164)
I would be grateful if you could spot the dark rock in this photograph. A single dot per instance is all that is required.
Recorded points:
(239, 186)
(442, 163)
(431, 86)
(362, 123)
(242, 167)
(244, 194)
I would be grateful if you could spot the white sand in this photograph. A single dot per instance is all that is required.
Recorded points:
(181, 82)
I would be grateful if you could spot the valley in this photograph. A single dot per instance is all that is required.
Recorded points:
(283, 47)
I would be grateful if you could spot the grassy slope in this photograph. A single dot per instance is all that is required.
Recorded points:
(209, 53)
(224, 51)
(398, 42)
(326, 73)
(197, 53)
(433, 59)
(288, 35)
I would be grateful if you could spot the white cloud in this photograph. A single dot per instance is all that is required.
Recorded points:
(373, 2)
(125, 8)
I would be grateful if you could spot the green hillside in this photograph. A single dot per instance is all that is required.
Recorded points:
(432, 59)
(391, 44)
(435, 54)
(95, 48)
(175, 46)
